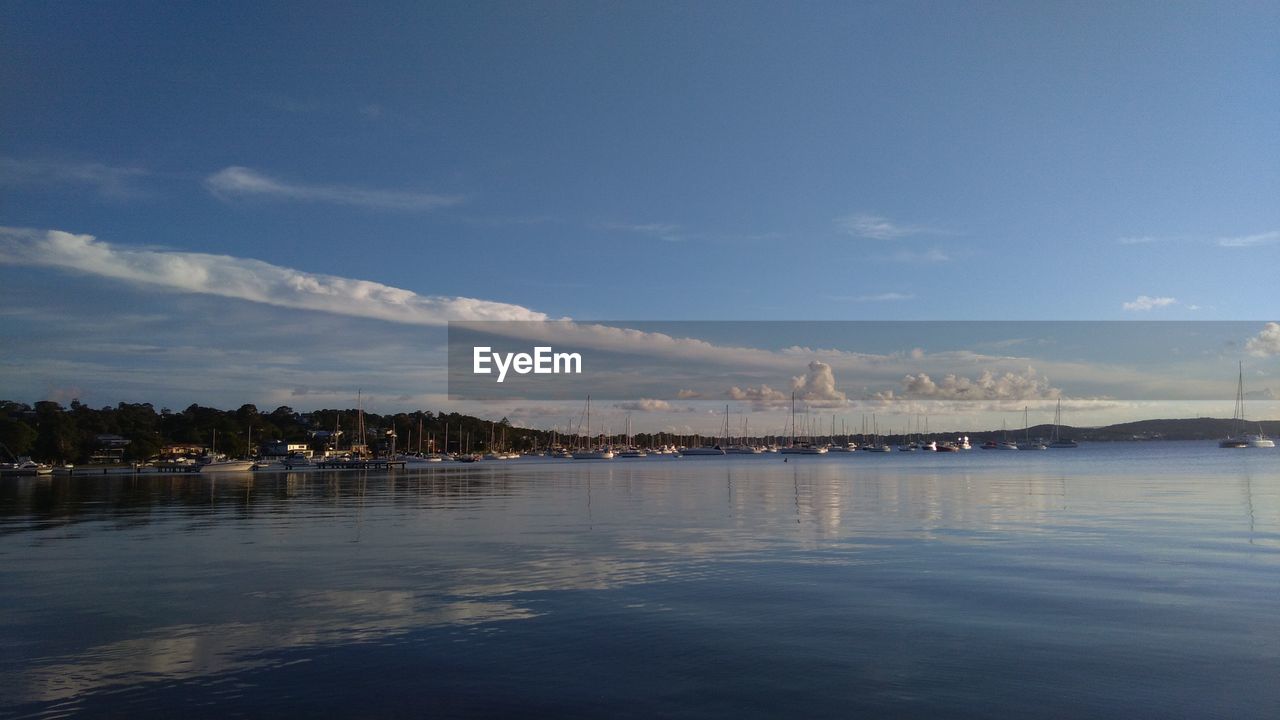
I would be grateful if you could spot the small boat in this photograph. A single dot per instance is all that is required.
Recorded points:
(25, 467)
(704, 450)
(802, 448)
(217, 464)
(1056, 440)
(600, 453)
(1238, 438)
(1027, 443)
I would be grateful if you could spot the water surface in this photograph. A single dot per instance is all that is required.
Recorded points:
(1115, 580)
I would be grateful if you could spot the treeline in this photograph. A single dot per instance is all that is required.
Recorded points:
(49, 432)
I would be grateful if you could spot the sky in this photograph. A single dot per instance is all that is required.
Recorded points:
(281, 203)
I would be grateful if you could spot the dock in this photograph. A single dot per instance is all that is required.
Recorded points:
(375, 464)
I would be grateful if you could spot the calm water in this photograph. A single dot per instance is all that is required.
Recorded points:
(1110, 581)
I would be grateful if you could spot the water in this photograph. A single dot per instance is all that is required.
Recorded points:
(1120, 580)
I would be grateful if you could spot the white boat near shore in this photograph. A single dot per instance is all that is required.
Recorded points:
(1238, 438)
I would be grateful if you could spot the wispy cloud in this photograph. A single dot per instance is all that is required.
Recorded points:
(876, 227)
(879, 297)
(245, 279)
(1266, 238)
(933, 255)
(241, 182)
(645, 405)
(660, 231)
(1140, 240)
(110, 182)
(1144, 303)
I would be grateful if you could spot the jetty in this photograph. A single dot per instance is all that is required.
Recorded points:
(371, 464)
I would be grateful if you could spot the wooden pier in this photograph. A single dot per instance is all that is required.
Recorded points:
(178, 468)
(376, 464)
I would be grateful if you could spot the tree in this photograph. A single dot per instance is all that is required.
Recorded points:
(57, 439)
(16, 435)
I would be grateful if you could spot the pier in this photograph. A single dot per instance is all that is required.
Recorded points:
(375, 464)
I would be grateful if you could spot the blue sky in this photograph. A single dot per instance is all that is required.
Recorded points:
(628, 161)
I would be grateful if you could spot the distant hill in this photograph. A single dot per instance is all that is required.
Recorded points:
(1172, 429)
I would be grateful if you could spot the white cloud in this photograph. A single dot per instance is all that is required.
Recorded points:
(877, 297)
(876, 227)
(761, 398)
(1266, 342)
(1139, 240)
(244, 182)
(930, 255)
(245, 279)
(661, 231)
(1266, 238)
(1027, 385)
(685, 394)
(1143, 303)
(645, 405)
(817, 387)
(116, 183)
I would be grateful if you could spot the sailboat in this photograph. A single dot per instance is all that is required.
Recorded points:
(804, 447)
(587, 453)
(1004, 444)
(631, 451)
(1057, 441)
(213, 464)
(716, 449)
(1027, 443)
(1238, 438)
(877, 444)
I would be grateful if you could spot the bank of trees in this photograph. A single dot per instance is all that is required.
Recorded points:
(49, 432)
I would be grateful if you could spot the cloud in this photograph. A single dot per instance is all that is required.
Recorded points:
(1143, 303)
(661, 231)
(1266, 238)
(688, 394)
(1266, 343)
(876, 227)
(761, 398)
(817, 387)
(1027, 385)
(878, 297)
(238, 181)
(114, 183)
(1139, 240)
(245, 279)
(645, 405)
(930, 255)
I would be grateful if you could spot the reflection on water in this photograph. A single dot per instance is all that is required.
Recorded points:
(1113, 580)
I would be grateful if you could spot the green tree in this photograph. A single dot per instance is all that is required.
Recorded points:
(16, 435)
(57, 439)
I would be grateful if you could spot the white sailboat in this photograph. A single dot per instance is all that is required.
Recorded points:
(1027, 443)
(717, 449)
(804, 447)
(587, 453)
(1238, 438)
(212, 463)
(1057, 441)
